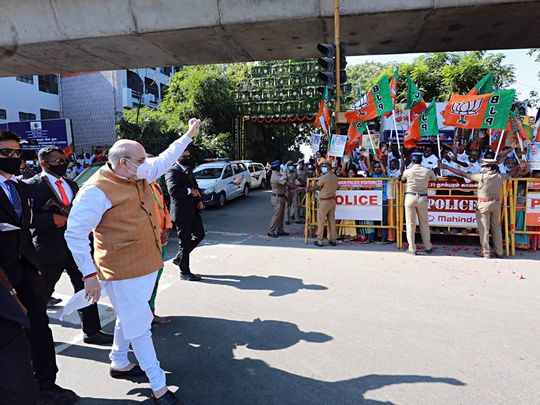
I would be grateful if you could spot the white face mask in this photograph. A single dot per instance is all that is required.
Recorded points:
(143, 170)
(324, 169)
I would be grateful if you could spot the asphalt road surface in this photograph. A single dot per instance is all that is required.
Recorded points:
(275, 321)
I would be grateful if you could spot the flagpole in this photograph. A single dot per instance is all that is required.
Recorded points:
(520, 146)
(439, 145)
(490, 138)
(395, 128)
(370, 139)
(499, 145)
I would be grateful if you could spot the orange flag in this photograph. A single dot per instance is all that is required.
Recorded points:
(322, 118)
(354, 136)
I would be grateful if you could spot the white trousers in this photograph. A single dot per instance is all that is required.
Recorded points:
(133, 321)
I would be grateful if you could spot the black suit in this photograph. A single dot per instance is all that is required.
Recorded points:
(184, 213)
(17, 382)
(48, 238)
(19, 260)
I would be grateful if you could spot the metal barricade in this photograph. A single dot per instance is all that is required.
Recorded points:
(523, 210)
(346, 196)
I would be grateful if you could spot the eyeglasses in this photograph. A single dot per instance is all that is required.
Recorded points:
(8, 152)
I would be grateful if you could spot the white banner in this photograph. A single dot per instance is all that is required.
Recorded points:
(454, 211)
(533, 156)
(359, 205)
(315, 141)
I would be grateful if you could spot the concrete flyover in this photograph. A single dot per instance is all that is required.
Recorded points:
(53, 36)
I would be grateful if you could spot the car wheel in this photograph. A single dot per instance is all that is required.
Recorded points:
(246, 190)
(221, 199)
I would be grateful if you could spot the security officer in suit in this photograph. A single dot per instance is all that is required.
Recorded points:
(277, 182)
(416, 202)
(52, 194)
(488, 210)
(17, 382)
(327, 186)
(186, 205)
(19, 260)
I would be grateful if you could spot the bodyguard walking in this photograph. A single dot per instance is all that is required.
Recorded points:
(416, 202)
(277, 182)
(327, 186)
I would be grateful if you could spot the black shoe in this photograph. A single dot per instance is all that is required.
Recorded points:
(333, 243)
(190, 277)
(53, 302)
(428, 251)
(176, 262)
(299, 222)
(498, 256)
(98, 338)
(287, 223)
(283, 233)
(316, 243)
(136, 371)
(272, 235)
(58, 396)
(166, 399)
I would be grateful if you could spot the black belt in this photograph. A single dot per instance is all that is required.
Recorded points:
(278, 195)
(416, 194)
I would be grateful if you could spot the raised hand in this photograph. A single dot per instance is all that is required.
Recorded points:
(194, 125)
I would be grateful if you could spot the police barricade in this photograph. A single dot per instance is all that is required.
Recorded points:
(524, 214)
(452, 206)
(360, 204)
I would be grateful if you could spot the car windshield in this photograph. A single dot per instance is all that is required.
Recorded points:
(208, 173)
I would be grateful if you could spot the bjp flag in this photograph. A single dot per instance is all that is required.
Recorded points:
(484, 86)
(322, 119)
(375, 103)
(354, 136)
(424, 125)
(488, 111)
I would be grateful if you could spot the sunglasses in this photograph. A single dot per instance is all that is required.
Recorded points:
(8, 152)
(58, 161)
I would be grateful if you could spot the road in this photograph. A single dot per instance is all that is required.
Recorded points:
(278, 322)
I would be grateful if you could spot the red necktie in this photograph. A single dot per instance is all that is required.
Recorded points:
(63, 195)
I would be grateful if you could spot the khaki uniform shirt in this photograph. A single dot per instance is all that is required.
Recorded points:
(418, 178)
(489, 184)
(277, 183)
(329, 185)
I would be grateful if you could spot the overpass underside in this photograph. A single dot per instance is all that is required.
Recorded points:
(58, 36)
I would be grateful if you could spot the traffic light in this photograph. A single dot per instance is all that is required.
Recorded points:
(328, 64)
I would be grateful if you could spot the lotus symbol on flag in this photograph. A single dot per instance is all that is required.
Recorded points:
(360, 104)
(465, 109)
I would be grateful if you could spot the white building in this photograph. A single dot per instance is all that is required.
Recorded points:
(29, 98)
(93, 101)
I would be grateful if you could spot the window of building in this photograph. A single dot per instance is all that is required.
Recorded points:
(167, 70)
(164, 89)
(25, 79)
(150, 87)
(3, 114)
(49, 114)
(48, 84)
(24, 116)
(135, 83)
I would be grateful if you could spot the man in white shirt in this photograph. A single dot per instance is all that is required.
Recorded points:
(473, 165)
(430, 161)
(118, 206)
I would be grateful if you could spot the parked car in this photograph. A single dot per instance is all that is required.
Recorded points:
(222, 181)
(257, 173)
(88, 172)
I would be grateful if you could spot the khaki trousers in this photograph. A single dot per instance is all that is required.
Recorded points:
(292, 204)
(326, 210)
(488, 215)
(276, 226)
(416, 205)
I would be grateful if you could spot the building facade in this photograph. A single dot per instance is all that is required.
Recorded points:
(94, 101)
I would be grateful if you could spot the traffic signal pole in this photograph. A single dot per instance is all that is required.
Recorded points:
(338, 56)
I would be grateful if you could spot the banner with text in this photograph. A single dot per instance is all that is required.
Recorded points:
(532, 215)
(359, 205)
(455, 211)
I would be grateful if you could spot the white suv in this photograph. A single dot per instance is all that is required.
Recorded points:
(222, 181)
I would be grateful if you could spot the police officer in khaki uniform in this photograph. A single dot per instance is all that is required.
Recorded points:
(277, 182)
(488, 210)
(291, 194)
(301, 181)
(416, 202)
(327, 186)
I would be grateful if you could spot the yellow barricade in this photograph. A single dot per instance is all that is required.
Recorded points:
(523, 207)
(394, 197)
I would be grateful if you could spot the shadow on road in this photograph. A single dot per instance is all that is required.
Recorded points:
(278, 285)
(200, 354)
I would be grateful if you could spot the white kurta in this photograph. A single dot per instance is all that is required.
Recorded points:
(129, 297)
